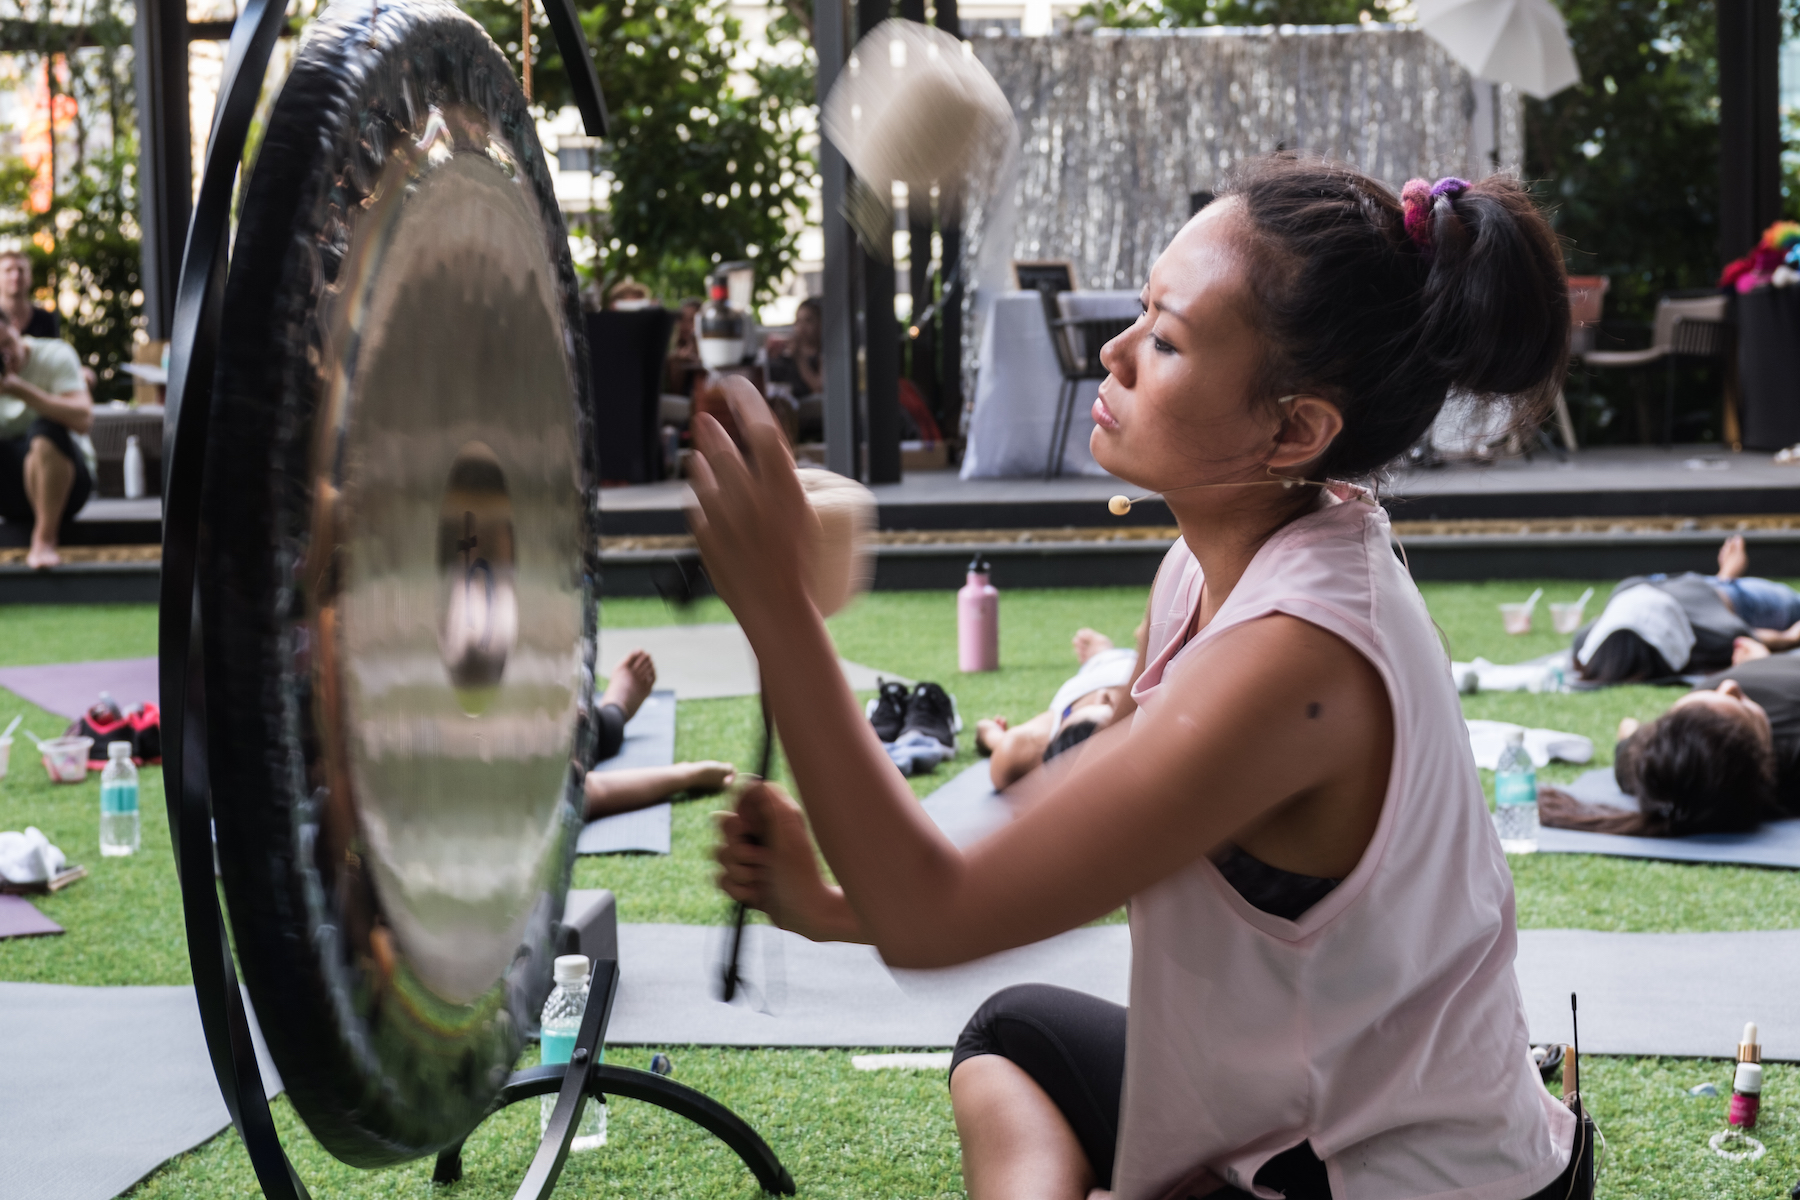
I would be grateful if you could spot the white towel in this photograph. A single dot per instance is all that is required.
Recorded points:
(29, 857)
(1488, 738)
(1653, 615)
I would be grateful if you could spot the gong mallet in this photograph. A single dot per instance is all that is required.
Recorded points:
(840, 569)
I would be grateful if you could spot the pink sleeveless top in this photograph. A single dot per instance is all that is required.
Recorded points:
(1385, 1025)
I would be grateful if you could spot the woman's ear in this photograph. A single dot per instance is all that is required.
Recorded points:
(1309, 423)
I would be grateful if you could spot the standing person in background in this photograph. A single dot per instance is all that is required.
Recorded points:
(46, 460)
(15, 298)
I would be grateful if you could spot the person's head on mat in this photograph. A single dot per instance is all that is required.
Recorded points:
(1624, 657)
(1295, 976)
(1707, 765)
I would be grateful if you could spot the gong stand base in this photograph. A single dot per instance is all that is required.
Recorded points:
(583, 1079)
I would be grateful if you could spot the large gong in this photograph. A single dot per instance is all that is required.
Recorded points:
(398, 617)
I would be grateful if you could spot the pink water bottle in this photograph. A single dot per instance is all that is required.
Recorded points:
(978, 621)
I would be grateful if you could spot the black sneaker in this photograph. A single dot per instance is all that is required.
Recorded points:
(887, 711)
(932, 711)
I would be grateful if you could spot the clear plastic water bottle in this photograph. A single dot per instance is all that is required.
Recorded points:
(118, 802)
(1515, 797)
(561, 1025)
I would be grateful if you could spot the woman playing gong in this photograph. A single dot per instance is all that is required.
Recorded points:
(1322, 991)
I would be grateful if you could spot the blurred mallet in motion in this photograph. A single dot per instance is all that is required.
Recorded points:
(839, 569)
(913, 105)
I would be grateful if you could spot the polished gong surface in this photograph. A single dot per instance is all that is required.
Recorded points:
(398, 611)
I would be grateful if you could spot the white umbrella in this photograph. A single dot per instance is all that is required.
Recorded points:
(1521, 42)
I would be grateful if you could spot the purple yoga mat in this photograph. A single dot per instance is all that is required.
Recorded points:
(19, 917)
(70, 689)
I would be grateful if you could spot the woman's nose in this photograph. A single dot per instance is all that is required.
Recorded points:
(1116, 357)
(1730, 688)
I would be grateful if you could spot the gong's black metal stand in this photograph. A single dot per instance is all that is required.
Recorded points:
(223, 1017)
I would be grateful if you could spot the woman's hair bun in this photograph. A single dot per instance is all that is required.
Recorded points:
(1497, 298)
(1384, 321)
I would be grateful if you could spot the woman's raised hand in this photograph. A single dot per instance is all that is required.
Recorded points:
(751, 521)
(768, 862)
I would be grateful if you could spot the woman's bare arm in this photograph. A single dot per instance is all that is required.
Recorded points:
(1271, 714)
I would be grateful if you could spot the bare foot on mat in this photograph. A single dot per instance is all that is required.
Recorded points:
(631, 682)
(1089, 642)
(1734, 559)
(42, 556)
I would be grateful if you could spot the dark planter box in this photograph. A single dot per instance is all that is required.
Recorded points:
(1769, 366)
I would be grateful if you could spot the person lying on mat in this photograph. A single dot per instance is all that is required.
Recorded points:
(1660, 626)
(1723, 759)
(1088, 701)
(1322, 995)
(609, 793)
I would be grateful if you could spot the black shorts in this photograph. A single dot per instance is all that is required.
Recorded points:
(1073, 1046)
(15, 505)
(609, 731)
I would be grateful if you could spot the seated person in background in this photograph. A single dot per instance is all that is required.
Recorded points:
(628, 295)
(15, 298)
(1094, 697)
(798, 367)
(46, 460)
(684, 351)
(1723, 758)
(611, 792)
(1658, 626)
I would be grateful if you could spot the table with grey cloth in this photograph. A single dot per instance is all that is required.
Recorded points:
(1018, 381)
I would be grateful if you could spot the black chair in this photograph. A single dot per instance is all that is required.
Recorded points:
(1078, 341)
(625, 363)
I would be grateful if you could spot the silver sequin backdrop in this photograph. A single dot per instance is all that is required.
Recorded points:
(1118, 129)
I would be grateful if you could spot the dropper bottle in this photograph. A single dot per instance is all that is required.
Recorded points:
(1746, 1081)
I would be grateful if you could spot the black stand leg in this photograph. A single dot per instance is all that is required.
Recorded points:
(575, 1087)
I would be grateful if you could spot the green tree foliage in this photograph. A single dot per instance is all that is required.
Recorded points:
(84, 250)
(705, 155)
(1628, 159)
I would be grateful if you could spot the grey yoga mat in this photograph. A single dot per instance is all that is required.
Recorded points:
(1678, 994)
(649, 742)
(1775, 844)
(103, 1085)
(701, 662)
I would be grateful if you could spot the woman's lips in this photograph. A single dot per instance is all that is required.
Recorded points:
(1103, 415)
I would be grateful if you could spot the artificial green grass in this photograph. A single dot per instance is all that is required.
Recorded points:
(849, 1133)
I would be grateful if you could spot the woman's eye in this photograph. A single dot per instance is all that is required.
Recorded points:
(1162, 347)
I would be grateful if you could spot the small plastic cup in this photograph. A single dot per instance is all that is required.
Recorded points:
(1516, 617)
(1566, 618)
(66, 758)
(5, 755)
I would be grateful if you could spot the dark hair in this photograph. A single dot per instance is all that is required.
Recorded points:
(1693, 770)
(1069, 737)
(1624, 657)
(1698, 770)
(813, 303)
(1360, 313)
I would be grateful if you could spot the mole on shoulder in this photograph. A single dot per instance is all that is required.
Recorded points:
(1313, 710)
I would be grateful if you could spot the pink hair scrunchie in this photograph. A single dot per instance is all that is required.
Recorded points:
(1418, 198)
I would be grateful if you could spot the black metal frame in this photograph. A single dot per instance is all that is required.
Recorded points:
(193, 357)
(1094, 333)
